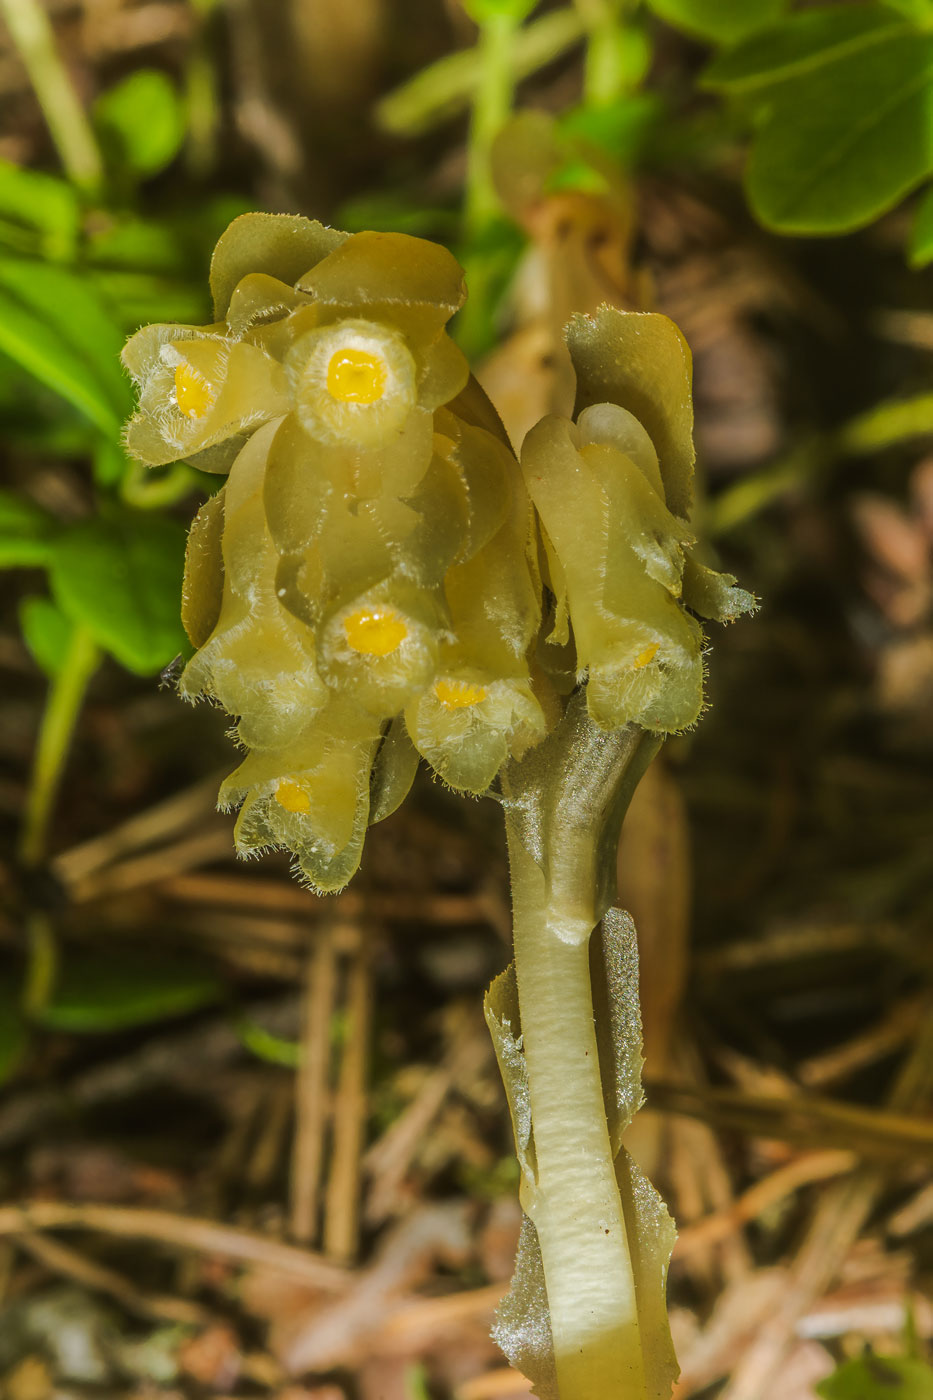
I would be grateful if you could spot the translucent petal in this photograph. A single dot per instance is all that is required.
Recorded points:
(196, 390)
(329, 415)
(257, 308)
(394, 769)
(203, 585)
(715, 595)
(381, 646)
(621, 555)
(393, 277)
(473, 405)
(468, 723)
(259, 660)
(641, 361)
(311, 798)
(285, 246)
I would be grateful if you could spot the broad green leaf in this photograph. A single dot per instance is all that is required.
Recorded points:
(844, 144)
(121, 577)
(142, 120)
(55, 326)
(46, 631)
(27, 532)
(919, 10)
(147, 245)
(43, 203)
(872, 1377)
(920, 244)
(125, 987)
(804, 45)
(141, 298)
(722, 21)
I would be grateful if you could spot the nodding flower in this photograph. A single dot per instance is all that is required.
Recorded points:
(345, 589)
(369, 583)
(613, 492)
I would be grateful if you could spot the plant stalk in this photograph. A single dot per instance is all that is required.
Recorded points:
(70, 129)
(564, 805)
(63, 705)
(492, 103)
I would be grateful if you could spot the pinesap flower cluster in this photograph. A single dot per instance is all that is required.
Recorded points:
(369, 583)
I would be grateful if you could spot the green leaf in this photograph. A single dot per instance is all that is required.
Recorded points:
(804, 45)
(722, 21)
(27, 533)
(622, 129)
(920, 244)
(54, 325)
(266, 1046)
(142, 120)
(42, 203)
(121, 577)
(872, 1377)
(149, 245)
(846, 142)
(126, 987)
(46, 631)
(919, 10)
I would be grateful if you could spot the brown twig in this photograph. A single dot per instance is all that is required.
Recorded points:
(156, 824)
(312, 1085)
(342, 1206)
(871, 1132)
(764, 1194)
(62, 1259)
(836, 1224)
(177, 1231)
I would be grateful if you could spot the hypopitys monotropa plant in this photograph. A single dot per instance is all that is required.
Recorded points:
(378, 579)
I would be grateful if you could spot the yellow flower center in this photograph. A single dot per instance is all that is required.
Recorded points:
(193, 394)
(375, 631)
(356, 376)
(292, 796)
(457, 695)
(645, 657)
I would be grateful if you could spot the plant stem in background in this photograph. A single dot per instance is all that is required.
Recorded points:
(201, 94)
(492, 103)
(446, 88)
(70, 129)
(807, 465)
(605, 76)
(62, 708)
(564, 805)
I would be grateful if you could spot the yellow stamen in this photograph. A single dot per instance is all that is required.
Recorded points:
(193, 394)
(645, 657)
(292, 796)
(375, 631)
(356, 376)
(457, 695)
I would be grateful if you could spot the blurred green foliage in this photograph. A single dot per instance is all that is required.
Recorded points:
(873, 1377)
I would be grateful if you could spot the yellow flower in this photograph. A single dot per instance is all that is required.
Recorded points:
(364, 587)
(197, 389)
(613, 492)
